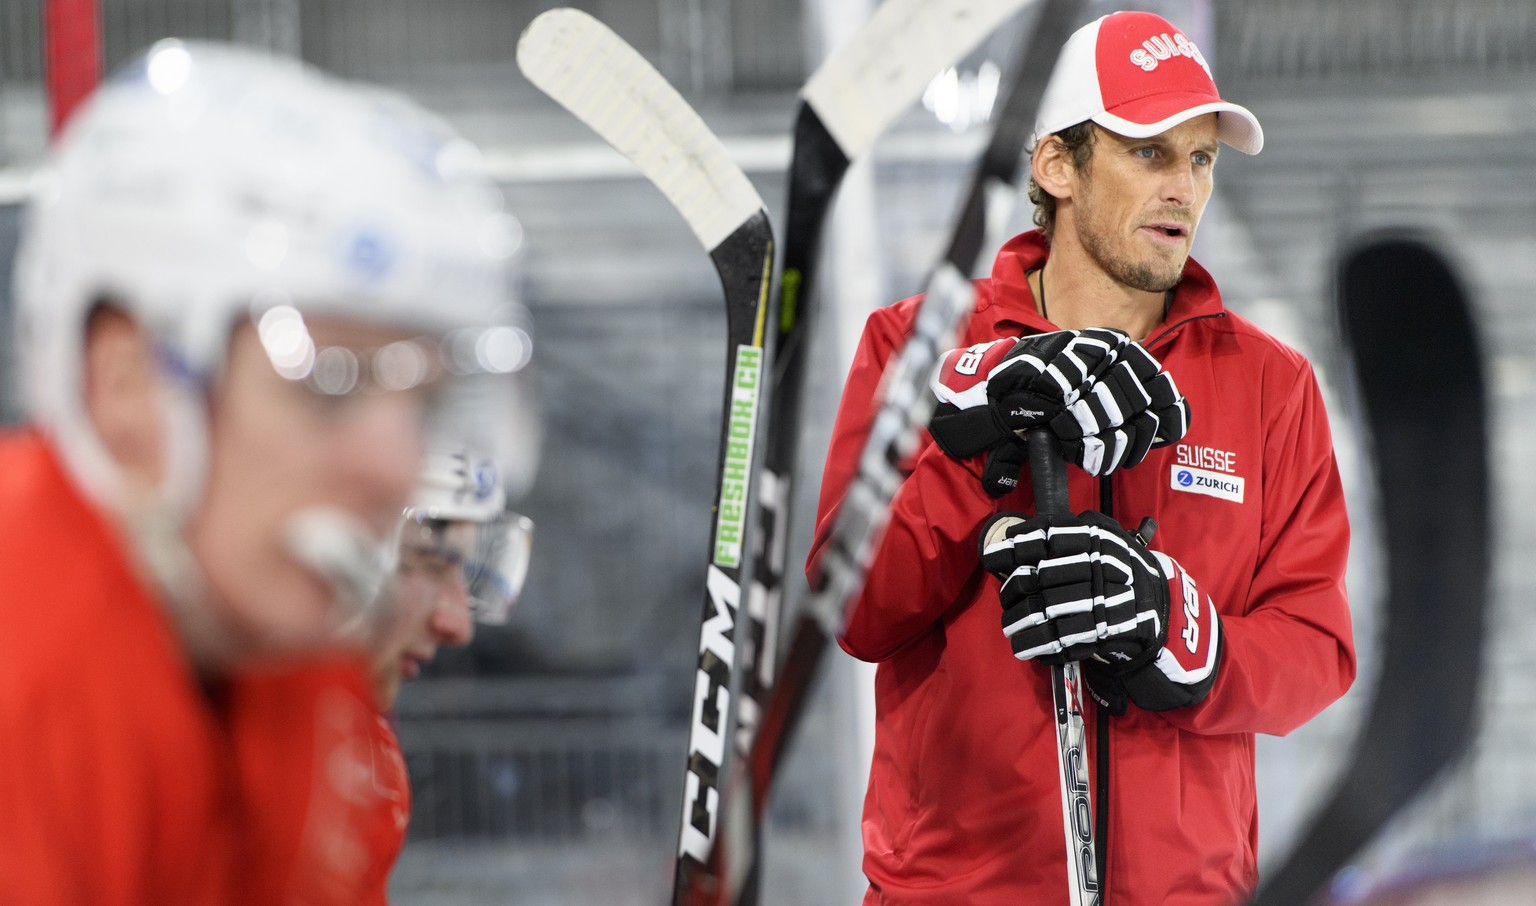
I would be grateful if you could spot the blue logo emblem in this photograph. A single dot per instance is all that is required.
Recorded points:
(1184, 478)
(485, 480)
(369, 255)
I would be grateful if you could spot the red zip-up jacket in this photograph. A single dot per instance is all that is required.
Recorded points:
(963, 804)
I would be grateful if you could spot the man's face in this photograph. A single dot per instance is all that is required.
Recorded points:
(1137, 202)
(278, 450)
(431, 603)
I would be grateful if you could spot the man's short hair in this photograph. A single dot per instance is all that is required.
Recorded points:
(1078, 141)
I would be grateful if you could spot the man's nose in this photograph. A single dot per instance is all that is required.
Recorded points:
(1179, 188)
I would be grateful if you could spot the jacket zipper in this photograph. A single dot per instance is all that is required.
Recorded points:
(1170, 331)
(1101, 816)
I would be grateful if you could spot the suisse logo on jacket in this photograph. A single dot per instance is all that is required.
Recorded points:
(1206, 470)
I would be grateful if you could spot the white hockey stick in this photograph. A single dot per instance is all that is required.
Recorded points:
(1048, 472)
(592, 72)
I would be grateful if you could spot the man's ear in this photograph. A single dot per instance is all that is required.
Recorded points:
(1051, 166)
(123, 396)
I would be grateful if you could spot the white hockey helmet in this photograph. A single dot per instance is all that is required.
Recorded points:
(204, 183)
(459, 488)
(458, 485)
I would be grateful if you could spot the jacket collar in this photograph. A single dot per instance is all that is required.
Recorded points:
(1010, 306)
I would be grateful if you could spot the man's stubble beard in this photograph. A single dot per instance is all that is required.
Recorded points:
(1147, 276)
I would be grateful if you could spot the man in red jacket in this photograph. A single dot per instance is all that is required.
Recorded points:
(1232, 621)
(233, 289)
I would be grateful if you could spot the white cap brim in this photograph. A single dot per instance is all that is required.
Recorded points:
(1235, 125)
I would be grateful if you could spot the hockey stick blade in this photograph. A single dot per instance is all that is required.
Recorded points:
(863, 87)
(593, 73)
(580, 63)
(904, 407)
(1418, 369)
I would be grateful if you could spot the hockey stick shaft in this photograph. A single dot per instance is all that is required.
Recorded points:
(1049, 475)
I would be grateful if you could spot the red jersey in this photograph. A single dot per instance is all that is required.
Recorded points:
(327, 800)
(963, 803)
(114, 767)
(125, 781)
(393, 814)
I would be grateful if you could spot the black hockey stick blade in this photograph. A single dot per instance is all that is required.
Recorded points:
(905, 406)
(1419, 372)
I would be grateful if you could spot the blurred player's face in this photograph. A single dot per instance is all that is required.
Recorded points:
(431, 606)
(1137, 202)
(279, 450)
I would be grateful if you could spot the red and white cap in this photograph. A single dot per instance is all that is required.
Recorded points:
(1137, 75)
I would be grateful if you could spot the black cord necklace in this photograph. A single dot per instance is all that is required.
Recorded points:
(1043, 313)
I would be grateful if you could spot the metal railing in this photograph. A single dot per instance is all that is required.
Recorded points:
(543, 779)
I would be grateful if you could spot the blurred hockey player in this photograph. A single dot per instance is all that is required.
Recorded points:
(463, 557)
(329, 800)
(248, 294)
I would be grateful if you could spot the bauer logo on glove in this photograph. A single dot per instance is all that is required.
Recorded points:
(1105, 398)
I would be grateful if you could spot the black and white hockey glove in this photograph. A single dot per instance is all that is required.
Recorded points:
(1104, 397)
(1128, 409)
(1082, 588)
